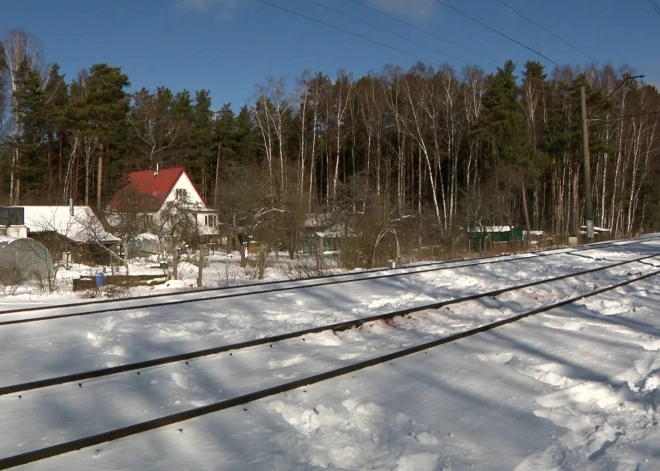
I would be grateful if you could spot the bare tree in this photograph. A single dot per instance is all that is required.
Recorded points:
(20, 47)
(153, 123)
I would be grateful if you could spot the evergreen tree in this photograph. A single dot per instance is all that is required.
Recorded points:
(29, 107)
(246, 145)
(57, 97)
(507, 135)
(182, 112)
(3, 98)
(225, 130)
(106, 111)
(202, 138)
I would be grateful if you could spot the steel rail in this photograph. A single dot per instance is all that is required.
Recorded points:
(127, 431)
(296, 286)
(346, 325)
(460, 261)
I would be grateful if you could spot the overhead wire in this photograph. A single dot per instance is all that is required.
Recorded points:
(548, 31)
(504, 35)
(357, 35)
(414, 26)
(314, 2)
(655, 6)
(634, 115)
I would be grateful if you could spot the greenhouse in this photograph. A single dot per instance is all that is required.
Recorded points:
(23, 259)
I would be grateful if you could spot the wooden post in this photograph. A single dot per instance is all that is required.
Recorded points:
(200, 266)
(588, 203)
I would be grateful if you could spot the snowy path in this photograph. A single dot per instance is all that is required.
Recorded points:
(573, 389)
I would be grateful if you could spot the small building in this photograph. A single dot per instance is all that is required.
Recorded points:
(23, 259)
(68, 232)
(144, 245)
(481, 236)
(600, 233)
(151, 193)
(319, 242)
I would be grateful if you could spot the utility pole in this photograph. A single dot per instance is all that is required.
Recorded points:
(588, 197)
(588, 202)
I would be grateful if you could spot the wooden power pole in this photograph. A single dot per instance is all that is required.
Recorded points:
(588, 202)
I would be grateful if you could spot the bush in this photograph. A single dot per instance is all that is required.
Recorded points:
(11, 278)
(305, 268)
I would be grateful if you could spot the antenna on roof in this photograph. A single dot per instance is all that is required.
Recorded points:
(156, 172)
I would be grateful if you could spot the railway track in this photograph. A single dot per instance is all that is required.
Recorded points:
(18, 316)
(104, 372)
(152, 424)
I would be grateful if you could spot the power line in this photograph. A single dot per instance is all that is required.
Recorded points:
(441, 2)
(412, 25)
(301, 15)
(385, 30)
(648, 113)
(548, 31)
(655, 6)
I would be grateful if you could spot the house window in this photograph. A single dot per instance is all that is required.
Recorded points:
(149, 219)
(211, 220)
(181, 194)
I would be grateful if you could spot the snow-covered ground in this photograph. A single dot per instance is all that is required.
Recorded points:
(573, 388)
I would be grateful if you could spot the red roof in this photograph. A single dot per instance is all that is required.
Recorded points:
(147, 183)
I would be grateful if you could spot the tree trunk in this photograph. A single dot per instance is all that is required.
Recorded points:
(525, 209)
(99, 178)
(200, 266)
(216, 189)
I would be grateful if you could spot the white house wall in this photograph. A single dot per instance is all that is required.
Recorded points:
(193, 201)
(184, 183)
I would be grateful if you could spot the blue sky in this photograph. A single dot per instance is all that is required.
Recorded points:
(228, 46)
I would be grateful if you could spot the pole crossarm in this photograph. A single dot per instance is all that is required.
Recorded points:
(624, 80)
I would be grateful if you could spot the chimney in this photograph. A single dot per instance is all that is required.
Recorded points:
(156, 172)
(71, 205)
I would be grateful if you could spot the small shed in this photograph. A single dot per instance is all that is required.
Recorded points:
(482, 235)
(24, 259)
(319, 242)
(70, 230)
(143, 245)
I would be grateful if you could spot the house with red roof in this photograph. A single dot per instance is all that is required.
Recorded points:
(151, 191)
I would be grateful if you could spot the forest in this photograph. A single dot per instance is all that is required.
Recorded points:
(435, 150)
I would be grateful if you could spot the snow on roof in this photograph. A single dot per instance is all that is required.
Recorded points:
(147, 236)
(82, 227)
(317, 219)
(492, 229)
(597, 229)
(6, 240)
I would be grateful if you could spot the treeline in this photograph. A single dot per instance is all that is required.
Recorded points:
(441, 149)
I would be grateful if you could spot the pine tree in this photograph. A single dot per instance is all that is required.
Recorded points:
(29, 104)
(182, 112)
(507, 135)
(56, 100)
(202, 137)
(225, 130)
(246, 148)
(3, 99)
(106, 111)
